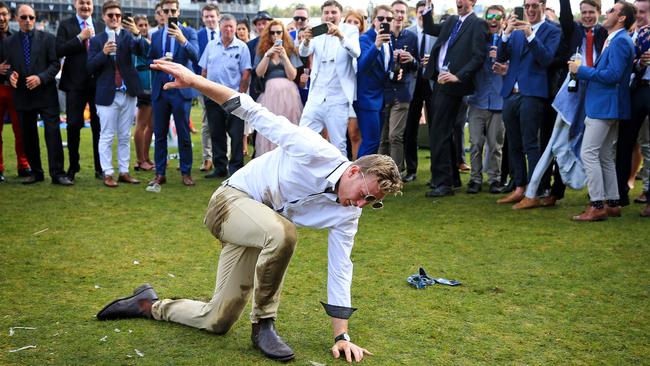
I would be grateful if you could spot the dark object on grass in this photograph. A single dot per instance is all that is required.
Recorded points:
(423, 280)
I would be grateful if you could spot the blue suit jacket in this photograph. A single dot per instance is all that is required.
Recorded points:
(186, 56)
(402, 90)
(529, 61)
(370, 74)
(102, 66)
(608, 82)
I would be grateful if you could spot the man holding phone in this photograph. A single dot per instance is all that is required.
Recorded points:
(372, 72)
(530, 46)
(179, 44)
(333, 79)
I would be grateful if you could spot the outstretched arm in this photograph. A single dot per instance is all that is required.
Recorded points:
(185, 78)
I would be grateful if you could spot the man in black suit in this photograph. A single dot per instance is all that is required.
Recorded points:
(456, 56)
(34, 65)
(72, 42)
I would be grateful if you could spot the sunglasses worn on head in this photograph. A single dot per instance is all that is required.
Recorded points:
(299, 19)
(494, 16)
(381, 18)
(374, 203)
(25, 17)
(114, 15)
(172, 11)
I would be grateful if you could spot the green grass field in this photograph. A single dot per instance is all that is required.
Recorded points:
(537, 288)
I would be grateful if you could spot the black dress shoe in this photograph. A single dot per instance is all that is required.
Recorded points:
(99, 175)
(267, 340)
(624, 200)
(440, 191)
(473, 187)
(33, 179)
(508, 187)
(216, 174)
(409, 177)
(63, 180)
(137, 305)
(25, 172)
(495, 188)
(2, 177)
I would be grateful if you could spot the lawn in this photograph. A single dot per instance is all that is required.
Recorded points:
(537, 288)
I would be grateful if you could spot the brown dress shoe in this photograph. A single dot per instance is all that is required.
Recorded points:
(109, 181)
(464, 167)
(613, 211)
(206, 166)
(549, 201)
(187, 180)
(513, 197)
(645, 212)
(592, 214)
(158, 179)
(126, 178)
(526, 203)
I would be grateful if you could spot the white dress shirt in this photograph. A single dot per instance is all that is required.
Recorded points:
(297, 180)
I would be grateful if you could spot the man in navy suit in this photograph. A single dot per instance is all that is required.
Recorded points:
(530, 46)
(607, 101)
(72, 42)
(210, 16)
(177, 43)
(34, 65)
(118, 85)
(372, 72)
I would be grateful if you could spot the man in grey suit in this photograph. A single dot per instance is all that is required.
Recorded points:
(421, 96)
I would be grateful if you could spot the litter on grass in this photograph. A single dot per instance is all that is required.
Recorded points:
(136, 262)
(171, 275)
(22, 348)
(11, 330)
(41, 231)
(97, 286)
(117, 330)
(103, 339)
(139, 353)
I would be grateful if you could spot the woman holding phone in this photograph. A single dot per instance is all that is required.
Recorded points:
(276, 63)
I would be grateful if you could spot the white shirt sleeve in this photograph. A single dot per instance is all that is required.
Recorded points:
(339, 264)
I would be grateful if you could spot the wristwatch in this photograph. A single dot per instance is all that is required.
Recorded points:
(342, 337)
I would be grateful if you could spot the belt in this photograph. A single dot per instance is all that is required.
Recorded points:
(643, 82)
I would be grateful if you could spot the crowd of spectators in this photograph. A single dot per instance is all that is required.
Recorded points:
(550, 101)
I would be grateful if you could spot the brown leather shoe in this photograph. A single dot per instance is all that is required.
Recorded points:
(464, 168)
(109, 181)
(206, 166)
(549, 201)
(158, 179)
(613, 211)
(526, 203)
(592, 214)
(645, 212)
(187, 180)
(513, 197)
(126, 178)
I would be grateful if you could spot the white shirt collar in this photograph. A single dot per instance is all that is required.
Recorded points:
(89, 21)
(613, 34)
(535, 27)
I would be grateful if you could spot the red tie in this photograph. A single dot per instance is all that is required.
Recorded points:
(86, 41)
(590, 47)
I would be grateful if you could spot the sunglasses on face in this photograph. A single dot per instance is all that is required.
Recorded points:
(612, 10)
(114, 15)
(170, 11)
(382, 18)
(533, 6)
(25, 17)
(276, 33)
(374, 203)
(299, 19)
(494, 16)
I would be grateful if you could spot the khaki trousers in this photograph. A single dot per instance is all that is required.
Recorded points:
(257, 245)
(598, 153)
(392, 132)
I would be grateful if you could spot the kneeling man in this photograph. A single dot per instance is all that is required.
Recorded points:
(305, 181)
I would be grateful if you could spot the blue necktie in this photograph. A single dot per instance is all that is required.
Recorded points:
(27, 49)
(454, 33)
(212, 35)
(168, 44)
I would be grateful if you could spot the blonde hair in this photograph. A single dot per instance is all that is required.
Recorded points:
(384, 168)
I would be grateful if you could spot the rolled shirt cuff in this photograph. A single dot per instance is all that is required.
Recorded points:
(339, 312)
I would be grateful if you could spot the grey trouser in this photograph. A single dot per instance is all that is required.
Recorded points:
(257, 245)
(206, 141)
(485, 125)
(392, 133)
(598, 154)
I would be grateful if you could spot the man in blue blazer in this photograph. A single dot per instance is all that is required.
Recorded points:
(210, 16)
(372, 73)
(607, 101)
(179, 44)
(117, 86)
(530, 46)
